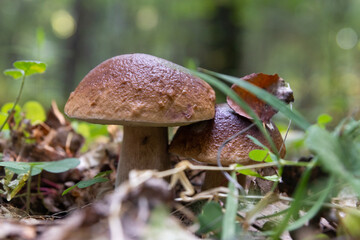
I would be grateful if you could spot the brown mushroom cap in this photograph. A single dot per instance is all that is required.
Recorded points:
(141, 90)
(202, 140)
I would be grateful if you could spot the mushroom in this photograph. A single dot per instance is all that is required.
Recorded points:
(145, 94)
(201, 141)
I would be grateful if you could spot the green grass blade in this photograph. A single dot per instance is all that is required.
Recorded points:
(334, 156)
(296, 204)
(66, 191)
(229, 223)
(265, 96)
(210, 219)
(314, 209)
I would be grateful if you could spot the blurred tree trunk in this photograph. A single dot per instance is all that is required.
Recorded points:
(225, 55)
(76, 47)
(226, 38)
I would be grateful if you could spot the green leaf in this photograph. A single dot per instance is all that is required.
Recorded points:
(66, 191)
(229, 225)
(8, 106)
(337, 155)
(103, 174)
(351, 222)
(296, 205)
(35, 171)
(15, 165)
(260, 155)
(3, 118)
(323, 119)
(210, 219)
(249, 172)
(61, 165)
(34, 112)
(5, 110)
(14, 73)
(274, 178)
(30, 67)
(22, 168)
(88, 183)
(314, 209)
(54, 167)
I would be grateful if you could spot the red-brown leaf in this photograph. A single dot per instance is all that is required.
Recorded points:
(271, 83)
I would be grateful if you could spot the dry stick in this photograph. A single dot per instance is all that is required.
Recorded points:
(187, 165)
(183, 165)
(224, 193)
(226, 174)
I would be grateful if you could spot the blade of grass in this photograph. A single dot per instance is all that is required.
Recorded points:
(333, 156)
(314, 209)
(265, 96)
(268, 199)
(229, 223)
(297, 203)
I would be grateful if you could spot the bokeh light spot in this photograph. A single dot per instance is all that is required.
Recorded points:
(63, 24)
(147, 18)
(346, 38)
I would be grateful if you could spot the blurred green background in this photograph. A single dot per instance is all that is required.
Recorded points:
(312, 44)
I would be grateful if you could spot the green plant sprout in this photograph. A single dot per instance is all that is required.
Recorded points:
(31, 110)
(22, 70)
(25, 170)
(37, 167)
(99, 178)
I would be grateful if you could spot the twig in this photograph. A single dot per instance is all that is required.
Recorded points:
(223, 192)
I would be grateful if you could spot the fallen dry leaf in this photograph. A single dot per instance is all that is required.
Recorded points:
(10, 229)
(271, 83)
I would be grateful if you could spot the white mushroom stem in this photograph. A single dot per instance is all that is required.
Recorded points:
(142, 148)
(215, 179)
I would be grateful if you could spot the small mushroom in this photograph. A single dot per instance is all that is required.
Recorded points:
(201, 141)
(146, 95)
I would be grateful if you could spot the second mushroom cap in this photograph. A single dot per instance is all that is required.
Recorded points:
(202, 140)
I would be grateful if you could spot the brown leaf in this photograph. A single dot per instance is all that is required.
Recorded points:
(271, 83)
